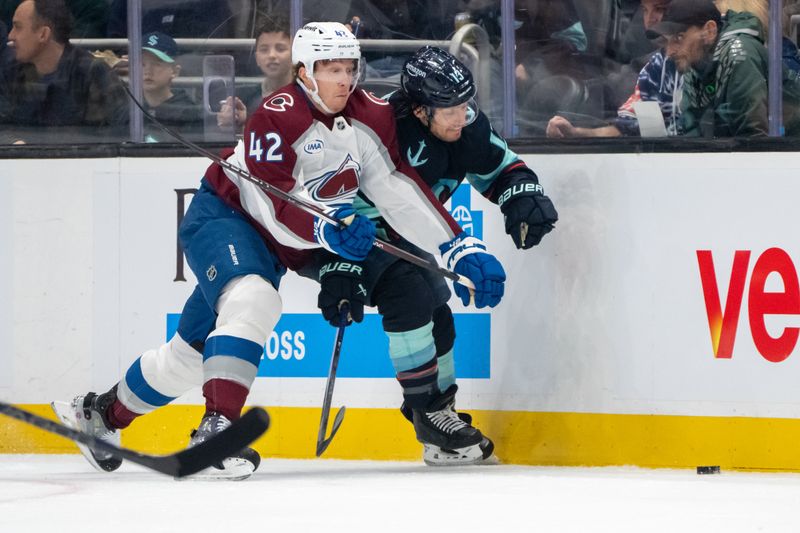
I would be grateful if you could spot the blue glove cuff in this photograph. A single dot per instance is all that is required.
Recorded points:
(462, 245)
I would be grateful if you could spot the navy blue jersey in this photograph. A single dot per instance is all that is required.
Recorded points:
(480, 156)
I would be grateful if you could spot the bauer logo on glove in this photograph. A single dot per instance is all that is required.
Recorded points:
(341, 281)
(529, 214)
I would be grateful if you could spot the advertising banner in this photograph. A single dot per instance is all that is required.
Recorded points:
(669, 286)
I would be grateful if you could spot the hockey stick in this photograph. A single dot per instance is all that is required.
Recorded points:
(322, 442)
(301, 204)
(237, 436)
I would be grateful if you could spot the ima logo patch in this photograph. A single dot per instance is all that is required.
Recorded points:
(336, 185)
(314, 147)
(279, 102)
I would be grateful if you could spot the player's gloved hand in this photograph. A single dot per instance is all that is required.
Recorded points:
(341, 281)
(467, 256)
(529, 214)
(353, 241)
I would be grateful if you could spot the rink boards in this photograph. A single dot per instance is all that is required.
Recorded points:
(656, 326)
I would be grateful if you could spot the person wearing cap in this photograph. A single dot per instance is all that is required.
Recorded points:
(724, 66)
(171, 106)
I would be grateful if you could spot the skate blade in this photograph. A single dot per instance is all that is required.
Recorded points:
(234, 469)
(470, 455)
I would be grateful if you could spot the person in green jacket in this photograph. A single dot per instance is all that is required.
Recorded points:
(725, 67)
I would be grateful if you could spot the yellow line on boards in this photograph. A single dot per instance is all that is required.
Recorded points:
(558, 439)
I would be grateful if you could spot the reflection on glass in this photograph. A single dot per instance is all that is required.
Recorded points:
(583, 67)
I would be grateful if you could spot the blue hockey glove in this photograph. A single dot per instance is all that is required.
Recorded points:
(529, 214)
(353, 241)
(341, 281)
(467, 256)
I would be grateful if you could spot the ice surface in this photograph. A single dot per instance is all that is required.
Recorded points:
(63, 494)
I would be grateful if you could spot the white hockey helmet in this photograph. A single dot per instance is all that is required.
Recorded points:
(324, 41)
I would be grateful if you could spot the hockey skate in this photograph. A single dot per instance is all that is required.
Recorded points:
(87, 413)
(448, 439)
(235, 468)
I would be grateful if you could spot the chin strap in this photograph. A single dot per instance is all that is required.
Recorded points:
(314, 95)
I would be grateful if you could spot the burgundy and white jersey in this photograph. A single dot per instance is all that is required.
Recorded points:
(327, 161)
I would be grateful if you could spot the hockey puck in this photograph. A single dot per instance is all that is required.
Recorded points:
(708, 470)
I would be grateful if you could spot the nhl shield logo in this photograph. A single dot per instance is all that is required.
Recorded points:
(211, 273)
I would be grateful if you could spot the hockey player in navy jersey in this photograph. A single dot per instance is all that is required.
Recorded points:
(319, 139)
(447, 139)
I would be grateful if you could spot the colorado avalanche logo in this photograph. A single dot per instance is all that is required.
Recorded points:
(336, 185)
(279, 102)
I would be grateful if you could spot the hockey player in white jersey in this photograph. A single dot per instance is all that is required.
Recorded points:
(319, 139)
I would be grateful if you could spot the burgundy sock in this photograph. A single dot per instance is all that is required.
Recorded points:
(225, 397)
(120, 416)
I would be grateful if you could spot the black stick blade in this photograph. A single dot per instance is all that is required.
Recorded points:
(323, 444)
(234, 439)
(239, 435)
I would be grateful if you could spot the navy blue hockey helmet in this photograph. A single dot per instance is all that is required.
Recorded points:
(435, 78)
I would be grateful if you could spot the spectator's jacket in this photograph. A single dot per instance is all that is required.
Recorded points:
(659, 81)
(82, 91)
(180, 112)
(727, 96)
(791, 88)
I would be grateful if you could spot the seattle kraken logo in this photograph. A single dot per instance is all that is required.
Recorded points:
(471, 221)
(414, 159)
(336, 185)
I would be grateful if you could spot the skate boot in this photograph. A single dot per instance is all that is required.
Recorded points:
(87, 413)
(234, 468)
(409, 415)
(447, 438)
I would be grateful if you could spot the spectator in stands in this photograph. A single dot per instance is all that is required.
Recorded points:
(548, 33)
(724, 67)
(6, 58)
(90, 17)
(791, 57)
(273, 55)
(54, 83)
(171, 106)
(6, 54)
(659, 81)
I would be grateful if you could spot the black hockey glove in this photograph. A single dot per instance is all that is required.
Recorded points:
(341, 281)
(529, 214)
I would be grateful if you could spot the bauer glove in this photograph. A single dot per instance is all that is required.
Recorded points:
(467, 256)
(341, 281)
(529, 214)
